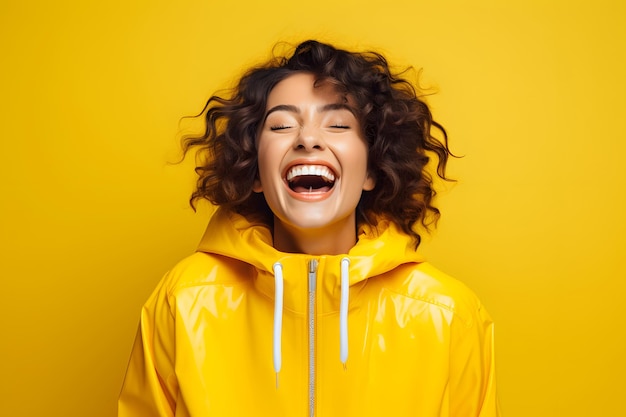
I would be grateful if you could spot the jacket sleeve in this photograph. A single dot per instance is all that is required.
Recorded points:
(150, 387)
(472, 368)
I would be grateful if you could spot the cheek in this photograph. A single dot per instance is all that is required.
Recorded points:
(268, 163)
(263, 154)
(356, 155)
(360, 166)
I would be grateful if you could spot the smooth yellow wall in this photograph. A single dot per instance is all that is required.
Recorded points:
(532, 93)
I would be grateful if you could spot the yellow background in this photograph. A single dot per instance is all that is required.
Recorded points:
(532, 93)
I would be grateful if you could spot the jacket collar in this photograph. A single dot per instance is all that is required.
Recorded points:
(379, 248)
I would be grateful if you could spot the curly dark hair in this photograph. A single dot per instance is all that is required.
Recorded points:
(396, 123)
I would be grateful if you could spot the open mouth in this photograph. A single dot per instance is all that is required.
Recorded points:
(310, 179)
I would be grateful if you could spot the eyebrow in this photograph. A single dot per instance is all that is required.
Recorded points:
(327, 107)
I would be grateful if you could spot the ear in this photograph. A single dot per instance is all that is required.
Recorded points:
(370, 182)
(256, 186)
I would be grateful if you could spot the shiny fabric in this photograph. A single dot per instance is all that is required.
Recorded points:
(420, 343)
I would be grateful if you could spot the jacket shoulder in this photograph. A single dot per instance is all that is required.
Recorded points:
(206, 269)
(426, 283)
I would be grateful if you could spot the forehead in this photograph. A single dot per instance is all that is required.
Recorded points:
(302, 88)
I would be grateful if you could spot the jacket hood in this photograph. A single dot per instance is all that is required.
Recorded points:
(378, 249)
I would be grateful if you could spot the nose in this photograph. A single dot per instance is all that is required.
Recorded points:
(309, 139)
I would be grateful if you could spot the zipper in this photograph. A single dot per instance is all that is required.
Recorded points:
(311, 322)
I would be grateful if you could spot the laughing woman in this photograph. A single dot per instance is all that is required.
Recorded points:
(306, 295)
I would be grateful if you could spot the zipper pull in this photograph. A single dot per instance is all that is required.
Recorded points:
(312, 274)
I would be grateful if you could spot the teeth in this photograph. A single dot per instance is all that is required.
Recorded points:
(318, 170)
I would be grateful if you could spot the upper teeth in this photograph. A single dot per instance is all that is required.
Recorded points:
(319, 170)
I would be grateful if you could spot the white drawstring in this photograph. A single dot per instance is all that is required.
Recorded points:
(343, 311)
(278, 314)
(278, 318)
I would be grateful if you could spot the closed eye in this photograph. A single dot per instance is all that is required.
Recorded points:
(338, 126)
(279, 127)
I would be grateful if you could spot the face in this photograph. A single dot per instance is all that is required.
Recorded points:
(312, 157)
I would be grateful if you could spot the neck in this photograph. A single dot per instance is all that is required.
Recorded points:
(332, 240)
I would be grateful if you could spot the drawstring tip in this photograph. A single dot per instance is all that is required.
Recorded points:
(276, 380)
(345, 367)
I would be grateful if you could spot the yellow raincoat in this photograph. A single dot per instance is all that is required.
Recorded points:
(240, 329)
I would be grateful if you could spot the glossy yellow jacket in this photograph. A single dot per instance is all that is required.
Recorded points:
(214, 341)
